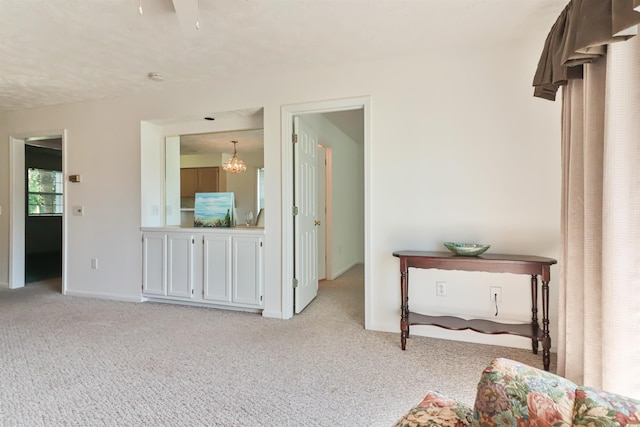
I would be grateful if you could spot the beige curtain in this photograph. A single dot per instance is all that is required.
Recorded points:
(579, 36)
(599, 307)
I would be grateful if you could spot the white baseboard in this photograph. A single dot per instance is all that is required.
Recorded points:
(272, 314)
(340, 272)
(98, 295)
(200, 304)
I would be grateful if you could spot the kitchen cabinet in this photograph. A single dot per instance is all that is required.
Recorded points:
(201, 180)
(218, 267)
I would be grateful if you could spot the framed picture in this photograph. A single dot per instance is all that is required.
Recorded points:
(213, 210)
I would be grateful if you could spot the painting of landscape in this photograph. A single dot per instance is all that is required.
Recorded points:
(213, 210)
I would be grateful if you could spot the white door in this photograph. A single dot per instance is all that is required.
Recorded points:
(305, 222)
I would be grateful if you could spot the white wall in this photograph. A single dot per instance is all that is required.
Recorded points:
(347, 198)
(4, 203)
(153, 165)
(172, 180)
(460, 150)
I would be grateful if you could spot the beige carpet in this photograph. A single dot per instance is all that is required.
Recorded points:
(67, 361)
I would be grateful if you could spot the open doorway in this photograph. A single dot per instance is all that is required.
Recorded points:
(324, 211)
(37, 217)
(44, 208)
(327, 124)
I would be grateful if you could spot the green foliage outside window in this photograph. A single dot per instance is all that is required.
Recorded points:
(44, 192)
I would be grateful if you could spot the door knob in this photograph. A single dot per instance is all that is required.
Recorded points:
(317, 223)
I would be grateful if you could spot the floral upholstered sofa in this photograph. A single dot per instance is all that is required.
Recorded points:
(511, 394)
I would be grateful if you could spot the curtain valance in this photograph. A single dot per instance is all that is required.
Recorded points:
(581, 35)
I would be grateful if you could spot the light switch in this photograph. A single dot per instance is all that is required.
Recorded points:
(78, 210)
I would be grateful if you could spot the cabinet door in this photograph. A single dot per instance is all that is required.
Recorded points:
(217, 268)
(188, 182)
(247, 270)
(154, 263)
(207, 180)
(180, 265)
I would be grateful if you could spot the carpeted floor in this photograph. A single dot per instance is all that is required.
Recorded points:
(67, 361)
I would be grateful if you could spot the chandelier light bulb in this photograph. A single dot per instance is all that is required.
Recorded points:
(234, 165)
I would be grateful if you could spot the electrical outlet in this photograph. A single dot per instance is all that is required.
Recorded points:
(94, 263)
(441, 289)
(495, 294)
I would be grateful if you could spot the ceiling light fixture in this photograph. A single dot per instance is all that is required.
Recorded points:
(156, 77)
(197, 14)
(235, 165)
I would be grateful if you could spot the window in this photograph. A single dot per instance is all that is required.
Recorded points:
(44, 192)
(260, 191)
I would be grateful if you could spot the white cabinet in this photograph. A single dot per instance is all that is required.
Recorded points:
(233, 270)
(217, 268)
(180, 265)
(247, 270)
(214, 267)
(154, 263)
(167, 264)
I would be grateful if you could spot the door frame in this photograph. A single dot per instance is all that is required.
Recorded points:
(287, 114)
(18, 208)
(326, 204)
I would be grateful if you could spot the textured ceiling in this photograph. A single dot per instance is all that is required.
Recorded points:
(60, 51)
(220, 142)
(350, 122)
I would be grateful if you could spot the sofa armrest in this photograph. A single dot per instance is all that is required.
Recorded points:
(510, 393)
(602, 408)
(436, 410)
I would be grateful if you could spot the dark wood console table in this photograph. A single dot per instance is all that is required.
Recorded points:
(492, 263)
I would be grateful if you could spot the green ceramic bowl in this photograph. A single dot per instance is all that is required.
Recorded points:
(466, 249)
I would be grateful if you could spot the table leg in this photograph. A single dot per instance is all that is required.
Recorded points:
(546, 339)
(404, 308)
(534, 313)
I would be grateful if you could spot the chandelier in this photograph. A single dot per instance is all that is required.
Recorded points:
(234, 165)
